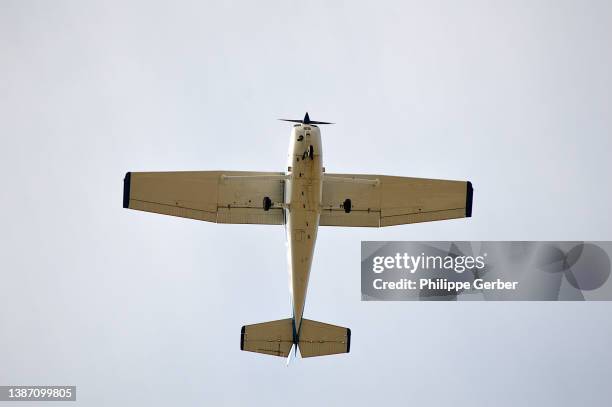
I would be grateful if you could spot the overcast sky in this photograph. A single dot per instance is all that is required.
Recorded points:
(142, 309)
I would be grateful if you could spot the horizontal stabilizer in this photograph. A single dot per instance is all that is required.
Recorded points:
(319, 339)
(271, 338)
(276, 338)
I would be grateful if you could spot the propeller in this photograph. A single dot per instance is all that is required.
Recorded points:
(305, 120)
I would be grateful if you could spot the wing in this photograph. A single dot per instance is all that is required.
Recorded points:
(212, 196)
(380, 200)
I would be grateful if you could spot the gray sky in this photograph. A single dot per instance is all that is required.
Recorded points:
(143, 309)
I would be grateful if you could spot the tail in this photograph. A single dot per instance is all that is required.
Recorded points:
(313, 339)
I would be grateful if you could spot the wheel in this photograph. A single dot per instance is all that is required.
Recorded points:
(311, 152)
(347, 205)
(267, 203)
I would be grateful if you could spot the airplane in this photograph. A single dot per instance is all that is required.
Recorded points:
(302, 198)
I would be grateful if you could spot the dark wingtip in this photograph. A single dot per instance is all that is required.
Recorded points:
(242, 335)
(126, 189)
(348, 340)
(469, 196)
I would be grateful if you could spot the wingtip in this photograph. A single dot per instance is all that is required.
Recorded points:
(468, 200)
(348, 340)
(126, 189)
(242, 335)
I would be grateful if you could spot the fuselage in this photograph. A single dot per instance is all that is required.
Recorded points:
(302, 209)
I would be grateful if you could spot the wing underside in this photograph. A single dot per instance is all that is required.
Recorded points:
(237, 197)
(381, 200)
(212, 196)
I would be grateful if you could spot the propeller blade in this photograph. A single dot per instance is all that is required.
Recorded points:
(290, 120)
(305, 120)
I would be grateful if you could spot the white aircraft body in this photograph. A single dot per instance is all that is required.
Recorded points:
(303, 198)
